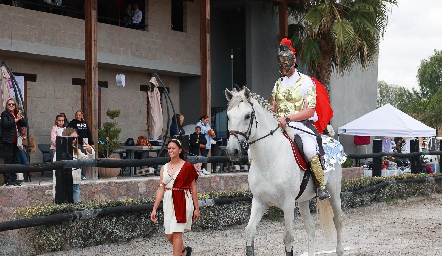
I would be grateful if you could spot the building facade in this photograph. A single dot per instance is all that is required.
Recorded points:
(48, 48)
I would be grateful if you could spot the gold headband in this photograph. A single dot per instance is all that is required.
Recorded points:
(177, 141)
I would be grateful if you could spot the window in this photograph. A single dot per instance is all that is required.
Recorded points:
(179, 11)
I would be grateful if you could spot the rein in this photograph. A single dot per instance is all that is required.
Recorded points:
(246, 143)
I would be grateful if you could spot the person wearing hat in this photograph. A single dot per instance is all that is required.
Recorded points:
(293, 99)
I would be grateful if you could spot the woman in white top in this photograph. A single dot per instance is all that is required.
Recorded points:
(76, 172)
(177, 190)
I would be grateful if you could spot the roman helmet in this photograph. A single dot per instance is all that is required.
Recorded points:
(286, 56)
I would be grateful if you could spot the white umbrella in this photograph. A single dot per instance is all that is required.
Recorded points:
(5, 91)
(156, 112)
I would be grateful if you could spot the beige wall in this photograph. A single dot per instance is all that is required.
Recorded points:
(158, 48)
(52, 47)
(53, 93)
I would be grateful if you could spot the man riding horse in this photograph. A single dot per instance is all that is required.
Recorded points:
(294, 100)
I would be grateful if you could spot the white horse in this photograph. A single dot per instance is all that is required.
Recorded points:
(274, 176)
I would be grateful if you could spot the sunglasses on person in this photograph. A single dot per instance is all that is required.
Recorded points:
(11, 104)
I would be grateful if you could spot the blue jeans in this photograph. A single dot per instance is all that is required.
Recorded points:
(76, 192)
(22, 159)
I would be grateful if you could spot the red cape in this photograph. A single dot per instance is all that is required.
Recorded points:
(323, 108)
(183, 181)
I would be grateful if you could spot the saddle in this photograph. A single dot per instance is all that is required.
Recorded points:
(302, 162)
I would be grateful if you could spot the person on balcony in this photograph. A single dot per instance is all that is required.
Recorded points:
(138, 16)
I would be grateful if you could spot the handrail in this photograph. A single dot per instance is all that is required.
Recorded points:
(94, 213)
(105, 162)
(398, 155)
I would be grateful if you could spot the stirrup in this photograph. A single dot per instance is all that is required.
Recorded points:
(322, 194)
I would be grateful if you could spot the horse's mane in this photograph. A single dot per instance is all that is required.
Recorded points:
(239, 97)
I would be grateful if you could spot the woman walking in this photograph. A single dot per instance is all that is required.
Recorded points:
(177, 188)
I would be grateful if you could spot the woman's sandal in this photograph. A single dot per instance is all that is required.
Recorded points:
(188, 250)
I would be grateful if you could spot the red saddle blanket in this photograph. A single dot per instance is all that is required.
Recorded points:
(299, 159)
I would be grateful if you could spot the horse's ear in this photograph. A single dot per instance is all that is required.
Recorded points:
(228, 94)
(247, 93)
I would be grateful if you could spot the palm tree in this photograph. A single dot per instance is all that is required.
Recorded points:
(336, 34)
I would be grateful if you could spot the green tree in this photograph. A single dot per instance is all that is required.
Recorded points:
(109, 134)
(429, 75)
(432, 114)
(423, 104)
(387, 94)
(336, 34)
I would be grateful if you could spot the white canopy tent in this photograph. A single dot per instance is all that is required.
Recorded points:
(387, 121)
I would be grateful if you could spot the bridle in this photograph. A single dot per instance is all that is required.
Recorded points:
(246, 143)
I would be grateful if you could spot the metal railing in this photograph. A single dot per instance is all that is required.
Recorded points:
(104, 162)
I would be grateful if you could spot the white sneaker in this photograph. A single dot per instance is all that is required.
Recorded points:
(205, 172)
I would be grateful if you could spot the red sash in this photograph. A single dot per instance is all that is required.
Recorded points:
(183, 182)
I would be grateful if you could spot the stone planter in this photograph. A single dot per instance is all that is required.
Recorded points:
(108, 172)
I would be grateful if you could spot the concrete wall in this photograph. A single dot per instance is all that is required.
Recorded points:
(191, 103)
(53, 93)
(159, 48)
(352, 96)
(52, 47)
(221, 45)
(262, 36)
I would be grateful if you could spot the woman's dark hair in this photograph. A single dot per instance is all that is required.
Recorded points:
(183, 154)
(176, 119)
(203, 117)
(60, 115)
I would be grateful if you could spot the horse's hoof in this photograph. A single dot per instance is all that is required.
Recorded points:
(250, 251)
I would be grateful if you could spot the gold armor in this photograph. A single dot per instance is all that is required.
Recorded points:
(317, 170)
(290, 100)
(316, 166)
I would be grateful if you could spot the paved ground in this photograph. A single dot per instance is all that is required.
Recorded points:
(411, 227)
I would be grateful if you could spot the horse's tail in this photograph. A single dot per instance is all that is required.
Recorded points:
(325, 212)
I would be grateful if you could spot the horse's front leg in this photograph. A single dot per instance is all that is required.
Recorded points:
(289, 218)
(258, 209)
(309, 226)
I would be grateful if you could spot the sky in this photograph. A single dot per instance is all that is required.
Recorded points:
(413, 32)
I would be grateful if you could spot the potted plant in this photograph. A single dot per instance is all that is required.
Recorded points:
(108, 141)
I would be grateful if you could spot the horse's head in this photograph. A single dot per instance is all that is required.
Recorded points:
(240, 117)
